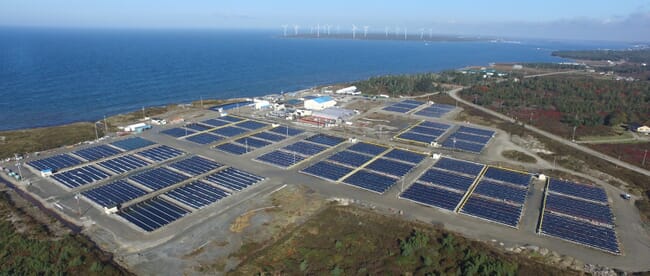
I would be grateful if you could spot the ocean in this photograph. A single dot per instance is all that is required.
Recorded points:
(58, 76)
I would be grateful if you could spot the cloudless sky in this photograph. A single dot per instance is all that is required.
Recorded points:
(579, 19)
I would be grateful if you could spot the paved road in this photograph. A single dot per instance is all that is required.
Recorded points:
(551, 73)
(454, 94)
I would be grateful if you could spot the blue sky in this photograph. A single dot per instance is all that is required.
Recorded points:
(578, 19)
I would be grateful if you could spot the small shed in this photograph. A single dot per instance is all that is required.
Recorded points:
(46, 172)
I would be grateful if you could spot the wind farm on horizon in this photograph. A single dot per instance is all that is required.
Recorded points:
(367, 33)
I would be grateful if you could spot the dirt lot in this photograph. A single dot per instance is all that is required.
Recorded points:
(259, 227)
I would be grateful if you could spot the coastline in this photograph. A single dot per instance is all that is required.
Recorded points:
(135, 115)
(151, 75)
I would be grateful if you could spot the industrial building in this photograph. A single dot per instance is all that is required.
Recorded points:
(261, 104)
(350, 90)
(320, 103)
(139, 127)
(334, 113)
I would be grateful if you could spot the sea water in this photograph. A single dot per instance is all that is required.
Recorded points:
(58, 76)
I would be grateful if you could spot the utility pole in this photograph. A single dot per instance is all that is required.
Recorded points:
(143, 114)
(573, 139)
(105, 126)
(76, 196)
(20, 173)
(96, 133)
(285, 34)
(644, 155)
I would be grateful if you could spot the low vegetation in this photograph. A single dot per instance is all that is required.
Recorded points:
(631, 153)
(28, 248)
(350, 241)
(518, 156)
(46, 138)
(40, 139)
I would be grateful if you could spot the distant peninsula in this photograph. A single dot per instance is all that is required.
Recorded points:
(639, 55)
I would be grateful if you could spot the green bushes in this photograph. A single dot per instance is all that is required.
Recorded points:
(416, 84)
(33, 250)
(416, 241)
(354, 241)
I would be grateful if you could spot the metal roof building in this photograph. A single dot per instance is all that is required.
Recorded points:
(320, 103)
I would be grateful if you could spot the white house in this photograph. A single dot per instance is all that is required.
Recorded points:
(320, 103)
(643, 130)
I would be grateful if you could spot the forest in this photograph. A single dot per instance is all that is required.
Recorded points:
(573, 101)
(29, 248)
(416, 84)
(638, 56)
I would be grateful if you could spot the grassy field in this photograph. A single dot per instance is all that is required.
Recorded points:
(518, 156)
(625, 137)
(40, 139)
(29, 248)
(353, 241)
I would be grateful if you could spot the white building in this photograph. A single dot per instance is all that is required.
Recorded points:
(134, 127)
(643, 129)
(347, 90)
(334, 113)
(320, 103)
(260, 104)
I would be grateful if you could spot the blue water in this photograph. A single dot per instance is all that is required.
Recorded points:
(55, 76)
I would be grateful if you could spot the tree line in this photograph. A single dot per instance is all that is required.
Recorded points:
(581, 101)
(641, 55)
(415, 84)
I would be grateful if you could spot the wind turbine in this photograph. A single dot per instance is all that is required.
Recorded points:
(354, 31)
(318, 30)
(386, 30)
(295, 29)
(285, 29)
(405, 33)
(328, 29)
(365, 31)
(421, 33)
(396, 31)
